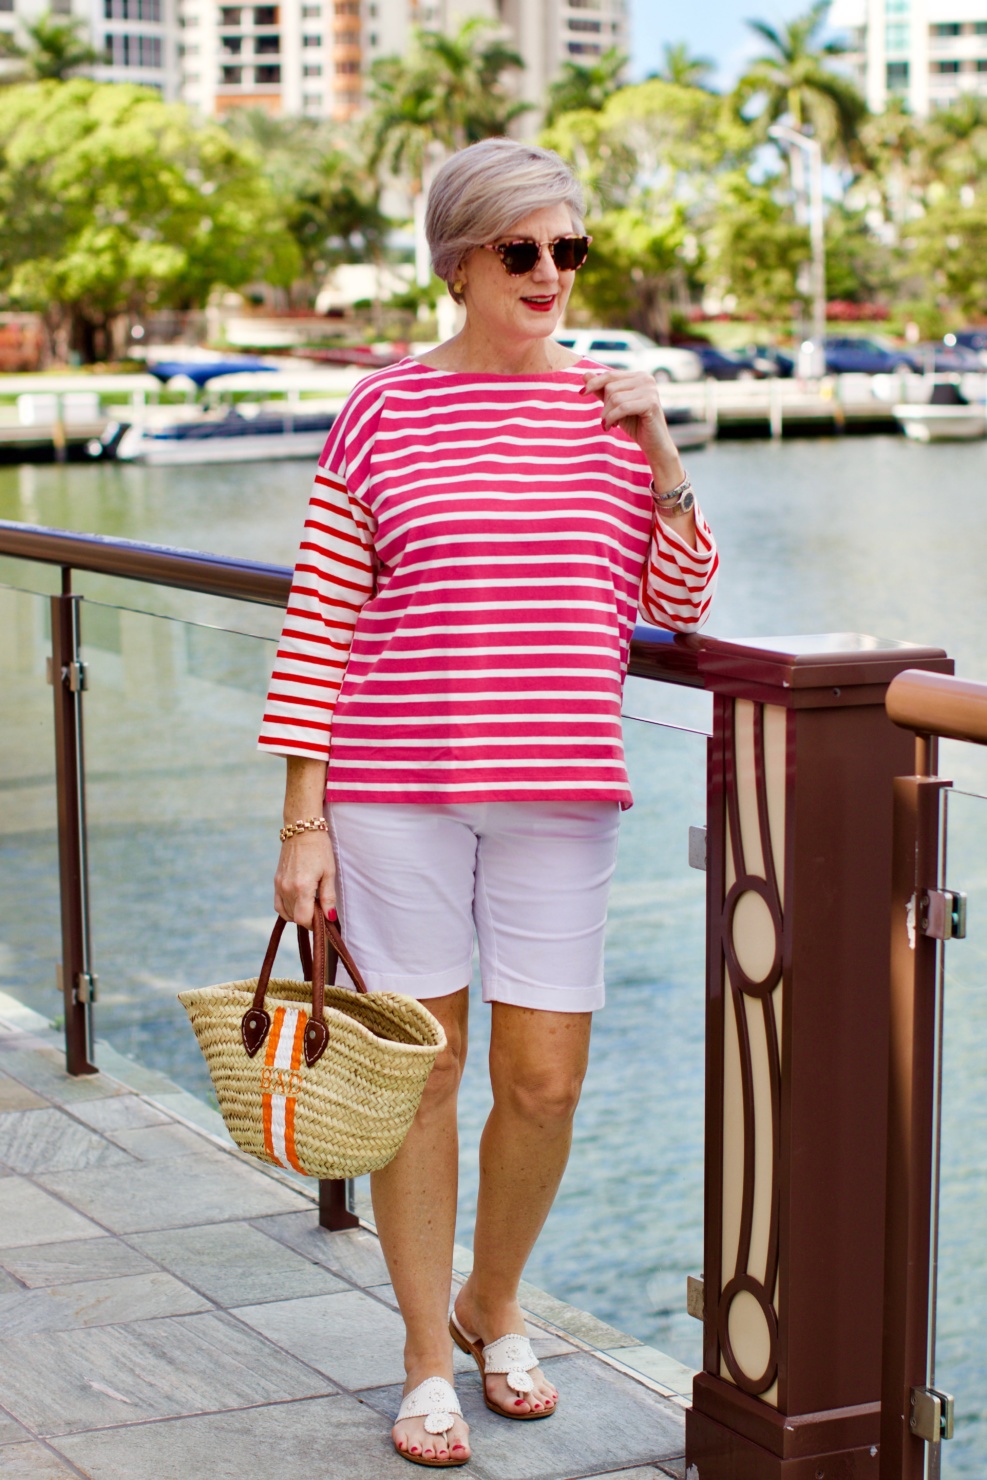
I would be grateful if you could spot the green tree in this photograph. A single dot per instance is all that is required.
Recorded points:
(649, 160)
(755, 250)
(582, 85)
(652, 144)
(112, 201)
(328, 196)
(860, 266)
(794, 81)
(630, 275)
(57, 48)
(680, 66)
(946, 263)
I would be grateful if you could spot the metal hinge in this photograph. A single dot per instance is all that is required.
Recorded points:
(86, 984)
(932, 1415)
(942, 914)
(86, 987)
(74, 676)
(695, 1296)
(697, 847)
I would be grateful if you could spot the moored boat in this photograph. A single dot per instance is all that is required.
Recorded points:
(941, 423)
(688, 431)
(947, 416)
(241, 434)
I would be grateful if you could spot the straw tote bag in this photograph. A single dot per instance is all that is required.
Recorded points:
(323, 1080)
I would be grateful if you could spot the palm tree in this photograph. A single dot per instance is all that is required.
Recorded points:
(580, 86)
(956, 142)
(895, 148)
(469, 69)
(448, 92)
(57, 48)
(684, 69)
(793, 81)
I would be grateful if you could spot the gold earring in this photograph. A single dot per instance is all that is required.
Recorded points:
(458, 287)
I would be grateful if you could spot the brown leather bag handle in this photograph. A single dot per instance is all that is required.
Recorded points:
(327, 948)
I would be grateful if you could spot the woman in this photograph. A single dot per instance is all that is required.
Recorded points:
(485, 524)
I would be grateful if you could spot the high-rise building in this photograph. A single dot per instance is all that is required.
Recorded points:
(929, 52)
(314, 56)
(136, 38)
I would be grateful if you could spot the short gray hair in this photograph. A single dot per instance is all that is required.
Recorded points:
(483, 190)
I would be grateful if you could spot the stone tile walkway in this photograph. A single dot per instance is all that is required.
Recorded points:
(172, 1311)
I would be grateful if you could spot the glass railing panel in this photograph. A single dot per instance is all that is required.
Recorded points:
(626, 1228)
(30, 932)
(183, 816)
(960, 1350)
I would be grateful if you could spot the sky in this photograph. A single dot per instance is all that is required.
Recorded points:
(711, 28)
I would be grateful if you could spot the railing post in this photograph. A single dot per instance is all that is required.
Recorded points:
(801, 765)
(334, 1206)
(911, 1119)
(78, 982)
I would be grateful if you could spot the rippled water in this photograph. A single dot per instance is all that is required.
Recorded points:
(875, 536)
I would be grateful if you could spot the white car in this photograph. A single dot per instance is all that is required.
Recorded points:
(624, 349)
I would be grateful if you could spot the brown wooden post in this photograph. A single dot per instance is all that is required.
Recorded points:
(801, 765)
(78, 982)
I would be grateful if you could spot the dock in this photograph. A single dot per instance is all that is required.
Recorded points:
(56, 416)
(171, 1308)
(780, 408)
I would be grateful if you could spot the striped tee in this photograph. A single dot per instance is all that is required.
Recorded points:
(475, 554)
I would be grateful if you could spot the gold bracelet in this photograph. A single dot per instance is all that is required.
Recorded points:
(308, 824)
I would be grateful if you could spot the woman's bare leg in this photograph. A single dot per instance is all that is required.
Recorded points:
(415, 1209)
(537, 1063)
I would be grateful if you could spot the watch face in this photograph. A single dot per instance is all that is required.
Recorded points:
(688, 501)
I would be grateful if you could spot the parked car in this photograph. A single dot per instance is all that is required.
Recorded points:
(848, 354)
(718, 364)
(771, 361)
(972, 339)
(624, 349)
(940, 355)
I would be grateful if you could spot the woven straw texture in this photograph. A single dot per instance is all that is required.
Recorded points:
(346, 1115)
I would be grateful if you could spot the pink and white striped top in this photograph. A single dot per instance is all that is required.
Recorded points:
(511, 541)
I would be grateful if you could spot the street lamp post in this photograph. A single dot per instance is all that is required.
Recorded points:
(798, 140)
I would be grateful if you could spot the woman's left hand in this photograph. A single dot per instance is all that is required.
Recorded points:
(630, 400)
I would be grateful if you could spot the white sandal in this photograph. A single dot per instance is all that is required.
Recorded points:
(435, 1401)
(513, 1355)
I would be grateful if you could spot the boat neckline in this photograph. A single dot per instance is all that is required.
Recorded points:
(583, 362)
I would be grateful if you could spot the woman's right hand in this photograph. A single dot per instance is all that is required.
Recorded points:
(306, 872)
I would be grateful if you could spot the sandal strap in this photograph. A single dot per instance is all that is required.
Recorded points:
(434, 1400)
(514, 1355)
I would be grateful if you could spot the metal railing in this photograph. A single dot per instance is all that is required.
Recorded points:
(799, 768)
(915, 1415)
(655, 655)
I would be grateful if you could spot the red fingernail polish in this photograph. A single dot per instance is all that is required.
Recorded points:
(333, 916)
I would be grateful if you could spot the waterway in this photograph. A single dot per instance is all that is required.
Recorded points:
(869, 535)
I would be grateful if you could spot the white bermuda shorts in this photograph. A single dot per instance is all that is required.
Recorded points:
(533, 878)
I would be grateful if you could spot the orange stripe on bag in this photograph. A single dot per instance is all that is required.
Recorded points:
(289, 1106)
(273, 1038)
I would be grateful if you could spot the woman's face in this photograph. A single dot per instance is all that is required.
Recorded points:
(526, 307)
